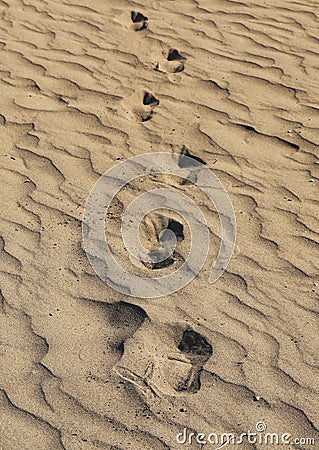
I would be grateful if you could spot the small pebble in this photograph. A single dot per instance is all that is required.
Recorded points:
(315, 284)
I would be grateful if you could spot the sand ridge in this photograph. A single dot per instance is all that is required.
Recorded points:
(87, 84)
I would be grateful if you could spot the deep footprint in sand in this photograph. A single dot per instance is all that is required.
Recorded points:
(149, 103)
(164, 241)
(173, 61)
(178, 230)
(164, 359)
(140, 105)
(165, 257)
(140, 22)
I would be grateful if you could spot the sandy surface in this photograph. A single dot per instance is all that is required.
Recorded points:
(235, 83)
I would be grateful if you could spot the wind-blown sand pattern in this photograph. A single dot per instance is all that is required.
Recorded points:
(87, 84)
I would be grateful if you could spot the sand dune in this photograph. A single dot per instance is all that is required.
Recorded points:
(85, 85)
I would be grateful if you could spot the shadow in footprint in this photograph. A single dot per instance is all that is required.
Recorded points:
(197, 350)
(124, 319)
(162, 264)
(141, 104)
(165, 263)
(164, 359)
(195, 345)
(139, 21)
(146, 117)
(184, 161)
(177, 228)
(174, 55)
(149, 99)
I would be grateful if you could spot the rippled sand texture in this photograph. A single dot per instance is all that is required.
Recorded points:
(85, 84)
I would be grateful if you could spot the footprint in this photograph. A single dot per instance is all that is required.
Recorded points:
(140, 105)
(146, 112)
(173, 61)
(139, 21)
(160, 235)
(159, 226)
(154, 364)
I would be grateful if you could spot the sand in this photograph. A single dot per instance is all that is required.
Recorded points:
(85, 85)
